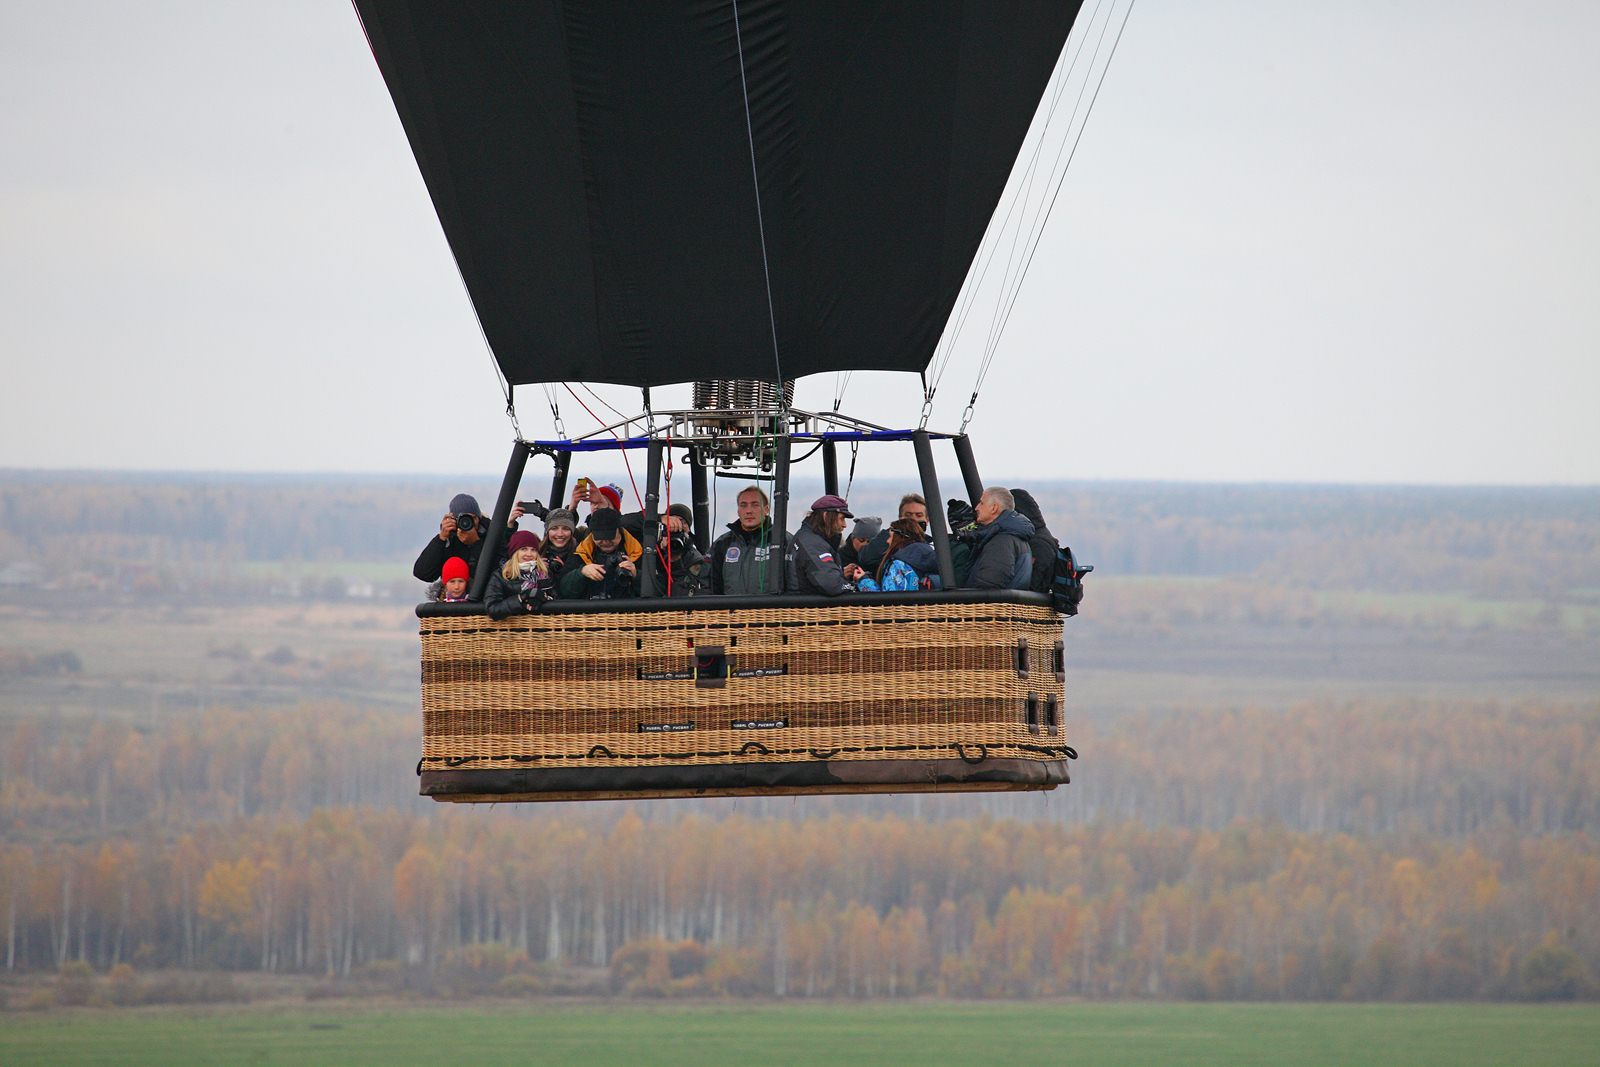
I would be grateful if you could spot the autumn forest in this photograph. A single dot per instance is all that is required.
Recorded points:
(1335, 744)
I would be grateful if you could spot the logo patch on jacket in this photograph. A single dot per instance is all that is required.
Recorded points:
(826, 557)
(733, 554)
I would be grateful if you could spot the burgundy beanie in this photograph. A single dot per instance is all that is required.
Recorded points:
(522, 539)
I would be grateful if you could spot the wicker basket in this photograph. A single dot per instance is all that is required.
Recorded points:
(909, 692)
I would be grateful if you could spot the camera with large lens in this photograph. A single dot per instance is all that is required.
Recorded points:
(466, 522)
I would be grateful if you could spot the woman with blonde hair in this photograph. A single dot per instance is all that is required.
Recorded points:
(523, 583)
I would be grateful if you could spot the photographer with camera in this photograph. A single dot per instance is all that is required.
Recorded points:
(460, 535)
(610, 561)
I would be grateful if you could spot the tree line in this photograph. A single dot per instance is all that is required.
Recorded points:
(831, 906)
(191, 533)
(1366, 767)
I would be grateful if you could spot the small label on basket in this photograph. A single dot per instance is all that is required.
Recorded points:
(665, 727)
(759, 724)
(760, 672)
(665, 676)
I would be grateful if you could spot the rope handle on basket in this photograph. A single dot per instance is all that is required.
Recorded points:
(744, 749)
(832, 752)
(983, 753)
(1069, 752)
(419, 768)
(602, 750)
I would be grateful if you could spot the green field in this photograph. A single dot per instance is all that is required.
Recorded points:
(914, 1034)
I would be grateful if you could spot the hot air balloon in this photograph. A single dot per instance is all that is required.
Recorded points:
(735, 195)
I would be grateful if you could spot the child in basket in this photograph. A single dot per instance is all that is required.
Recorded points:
(453, 579)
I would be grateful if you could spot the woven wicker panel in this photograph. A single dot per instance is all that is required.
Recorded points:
(850, 682)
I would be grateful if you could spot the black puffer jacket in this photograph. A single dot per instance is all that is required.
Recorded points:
(1043, 543)
(1003, 560)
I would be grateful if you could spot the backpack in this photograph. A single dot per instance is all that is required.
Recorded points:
(1066, 582)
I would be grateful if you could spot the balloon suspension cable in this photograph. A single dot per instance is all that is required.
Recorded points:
(555, 413)
(993, 234)
(761, 226)
(1038, 232)
(601, 422)
(511, 410)
(1011, 289)
(927, 400)
(841, 382)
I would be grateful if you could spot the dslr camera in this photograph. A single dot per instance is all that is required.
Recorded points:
(466, 522)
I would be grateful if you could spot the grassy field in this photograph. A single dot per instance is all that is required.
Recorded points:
(923, 1033)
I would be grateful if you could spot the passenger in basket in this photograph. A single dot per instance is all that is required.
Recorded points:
(861, 534)
(739, 558)
(454, 581)
(815, 547)
(560, 547)
(609, 559)
(597, 496)
(912, 507)
(523, 584)
(1001, 556)
(460, 535)
(909, 565)
(684, 567)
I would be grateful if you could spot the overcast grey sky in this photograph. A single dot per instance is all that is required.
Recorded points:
(1306, 242)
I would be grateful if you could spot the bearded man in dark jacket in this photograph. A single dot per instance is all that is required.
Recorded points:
(1002, 558)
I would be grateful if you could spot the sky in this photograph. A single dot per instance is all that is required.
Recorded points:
(1297, 242)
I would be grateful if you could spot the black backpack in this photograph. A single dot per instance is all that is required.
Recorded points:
(1066, 582)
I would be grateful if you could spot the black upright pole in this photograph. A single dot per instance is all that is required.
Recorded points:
(495, 535)
(780, 515)
(830, 468)
(558, 485)
(652, 514)
(930, 490)
(700, 489)
(969, 470)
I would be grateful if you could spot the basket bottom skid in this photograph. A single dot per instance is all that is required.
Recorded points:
(811, 777)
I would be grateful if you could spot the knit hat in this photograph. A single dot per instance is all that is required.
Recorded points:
(613, 494)
(522, 539)
(560, 517)
(684, 512)
(832, 503)
(464, 504)
(866, 528)
(605, 524)
(454, 567)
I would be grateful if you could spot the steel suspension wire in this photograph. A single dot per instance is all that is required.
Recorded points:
(1055, 194)
(1038, 232)
(761, 225)
(993, 234)
(625, 461)
(1026, 194)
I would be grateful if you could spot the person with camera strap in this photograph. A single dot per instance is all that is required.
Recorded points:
(461, 535)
